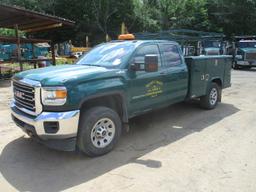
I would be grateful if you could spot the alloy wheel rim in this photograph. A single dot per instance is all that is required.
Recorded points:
(103, 132)
(213, 96)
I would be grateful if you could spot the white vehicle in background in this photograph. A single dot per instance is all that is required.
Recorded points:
(78, 54)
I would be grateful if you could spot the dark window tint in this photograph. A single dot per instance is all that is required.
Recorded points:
(146, 50)
(171, 55)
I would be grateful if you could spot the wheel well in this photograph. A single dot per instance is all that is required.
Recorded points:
(218, 82)
(114, 102)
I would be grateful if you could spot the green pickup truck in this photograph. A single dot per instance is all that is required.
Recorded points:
(86, 106)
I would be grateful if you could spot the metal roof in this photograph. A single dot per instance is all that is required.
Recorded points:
(22, 40)
(29, 21)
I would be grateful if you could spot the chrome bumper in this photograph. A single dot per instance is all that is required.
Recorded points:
(247, 63)
(67, 121)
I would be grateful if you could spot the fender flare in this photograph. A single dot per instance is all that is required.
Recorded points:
(125, 117)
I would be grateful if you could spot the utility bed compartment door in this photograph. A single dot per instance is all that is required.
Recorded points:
(204, 69)
(197, 83)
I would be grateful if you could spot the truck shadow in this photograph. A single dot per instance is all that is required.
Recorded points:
(28, 166)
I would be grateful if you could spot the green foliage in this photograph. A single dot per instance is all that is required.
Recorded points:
(7, 32)
(155, 15)
(145, 17)
(233, 16)
(194, 15)
(96, 18)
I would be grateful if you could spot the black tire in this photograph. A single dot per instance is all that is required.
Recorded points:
(88, 120)
(207, 101)
(234, 65)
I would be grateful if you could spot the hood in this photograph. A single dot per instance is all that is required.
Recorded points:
(60, 75)
(212, 50)
(248, 50)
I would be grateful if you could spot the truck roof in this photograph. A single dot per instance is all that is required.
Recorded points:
(138, 42)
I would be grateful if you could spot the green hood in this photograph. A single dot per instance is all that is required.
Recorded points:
(212, 50)
(248, 50)
(60, 75)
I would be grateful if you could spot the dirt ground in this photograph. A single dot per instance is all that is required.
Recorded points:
(178, 149)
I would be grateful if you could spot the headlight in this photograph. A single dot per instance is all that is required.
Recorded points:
(54, 95)
(239, 57)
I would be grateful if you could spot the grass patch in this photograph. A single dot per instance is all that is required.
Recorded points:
(7, 70)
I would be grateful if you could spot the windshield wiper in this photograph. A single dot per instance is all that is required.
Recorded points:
(91, 65)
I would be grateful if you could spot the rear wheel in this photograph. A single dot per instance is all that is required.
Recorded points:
(99, 131)
(234, 65)
(247, 67)
(210, 100)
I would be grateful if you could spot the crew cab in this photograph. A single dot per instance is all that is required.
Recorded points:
(85, 106)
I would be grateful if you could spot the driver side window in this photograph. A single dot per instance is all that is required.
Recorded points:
(141, 52)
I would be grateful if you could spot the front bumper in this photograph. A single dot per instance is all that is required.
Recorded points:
(65, 136)
(247, 63)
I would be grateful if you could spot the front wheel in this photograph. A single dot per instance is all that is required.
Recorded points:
(210, 100)
(99, 131)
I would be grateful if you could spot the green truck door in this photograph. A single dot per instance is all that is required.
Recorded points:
(176, 73)
(145, 88)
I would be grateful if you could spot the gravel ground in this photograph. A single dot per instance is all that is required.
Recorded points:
(180, 148)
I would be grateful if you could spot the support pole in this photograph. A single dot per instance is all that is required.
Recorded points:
(18, 47)
(87, 41)
(53, 53)
(33, 54)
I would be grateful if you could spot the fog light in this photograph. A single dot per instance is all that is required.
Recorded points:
(51, 127)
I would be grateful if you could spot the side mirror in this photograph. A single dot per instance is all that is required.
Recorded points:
(151, 63)
(136, 65)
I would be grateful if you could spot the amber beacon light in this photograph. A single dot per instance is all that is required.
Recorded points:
(126, 37)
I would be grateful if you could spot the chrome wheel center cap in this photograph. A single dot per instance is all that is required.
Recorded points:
(101, 132)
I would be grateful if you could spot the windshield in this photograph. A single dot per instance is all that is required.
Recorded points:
(108, 55)
(247, 44)
(215, 44)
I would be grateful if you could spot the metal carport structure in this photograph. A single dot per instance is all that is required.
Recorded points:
(28, 21)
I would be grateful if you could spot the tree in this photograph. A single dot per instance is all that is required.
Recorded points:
(233, 16)
(145, 16)
(103, 10)
(96, 18)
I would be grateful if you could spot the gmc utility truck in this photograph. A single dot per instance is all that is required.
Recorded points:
(85, 106)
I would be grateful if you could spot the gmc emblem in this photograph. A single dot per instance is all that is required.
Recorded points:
(19, 94)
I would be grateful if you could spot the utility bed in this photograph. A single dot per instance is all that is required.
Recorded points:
(205, 68)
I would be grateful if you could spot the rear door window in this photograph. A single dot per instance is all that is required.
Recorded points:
(170, 54)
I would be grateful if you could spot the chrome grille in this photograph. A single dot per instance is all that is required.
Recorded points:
(24, 96)
(250, 56)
